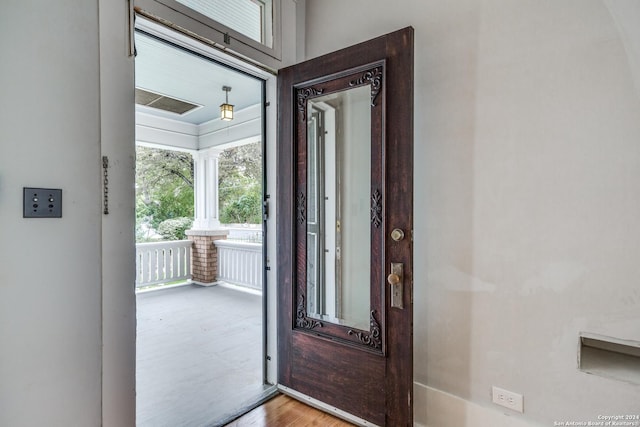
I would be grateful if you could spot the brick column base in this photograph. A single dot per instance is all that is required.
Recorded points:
(204, 255)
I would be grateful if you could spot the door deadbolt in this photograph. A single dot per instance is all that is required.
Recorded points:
(397, 234)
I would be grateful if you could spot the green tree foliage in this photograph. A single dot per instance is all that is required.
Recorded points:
(245, 161)
(246, 208)
(174, 229)
(240, 184)
(164, 187)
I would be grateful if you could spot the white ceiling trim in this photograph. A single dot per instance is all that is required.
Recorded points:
(247, 131)
(146, 135)
(253, 112)
(171, 125)
(161, 132)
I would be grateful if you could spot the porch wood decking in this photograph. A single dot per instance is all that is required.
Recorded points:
(199, 355)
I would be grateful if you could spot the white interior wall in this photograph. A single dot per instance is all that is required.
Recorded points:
(50, 270)
(67, 307)
(118, 237)
(527, 193)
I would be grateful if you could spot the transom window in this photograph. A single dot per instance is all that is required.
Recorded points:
(253, 18)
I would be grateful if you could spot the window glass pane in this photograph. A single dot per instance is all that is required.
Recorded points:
(245, 16)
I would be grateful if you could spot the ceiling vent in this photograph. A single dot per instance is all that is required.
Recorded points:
(163, 102)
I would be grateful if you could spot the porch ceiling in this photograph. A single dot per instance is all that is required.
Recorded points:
(173, 72)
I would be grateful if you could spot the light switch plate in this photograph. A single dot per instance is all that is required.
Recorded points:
(42, 202)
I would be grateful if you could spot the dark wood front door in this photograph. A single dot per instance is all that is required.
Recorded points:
(345, 204)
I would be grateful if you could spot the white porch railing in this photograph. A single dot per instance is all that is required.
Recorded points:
(162, 262)
(240, 263)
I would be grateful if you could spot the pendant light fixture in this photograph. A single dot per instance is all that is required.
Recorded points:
(226, 109)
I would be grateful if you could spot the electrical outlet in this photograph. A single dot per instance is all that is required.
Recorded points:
(508, 399)
(41, 203)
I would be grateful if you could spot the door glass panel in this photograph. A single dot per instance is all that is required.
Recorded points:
(339, 134)
(253, 18)
(338, 209)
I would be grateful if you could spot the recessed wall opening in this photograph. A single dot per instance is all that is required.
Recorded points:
(610, 357)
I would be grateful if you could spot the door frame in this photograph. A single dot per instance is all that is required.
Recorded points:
(277, 208)
(166, 33)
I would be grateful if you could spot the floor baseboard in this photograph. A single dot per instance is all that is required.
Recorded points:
(436, 408)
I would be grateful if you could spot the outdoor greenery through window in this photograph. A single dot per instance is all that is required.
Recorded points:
(164, 194)
(165, 190)
(240, 185)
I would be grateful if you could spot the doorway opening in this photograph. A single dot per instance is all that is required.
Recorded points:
(201, 286)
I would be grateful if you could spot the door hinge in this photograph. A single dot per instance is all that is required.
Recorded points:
(265, 208)
(411, 291)
(131, 25)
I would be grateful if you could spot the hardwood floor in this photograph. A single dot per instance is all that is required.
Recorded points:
(283, 411)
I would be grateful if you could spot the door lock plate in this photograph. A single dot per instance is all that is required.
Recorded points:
(396, 280)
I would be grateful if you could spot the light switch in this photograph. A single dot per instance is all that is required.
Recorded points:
(42, 203)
